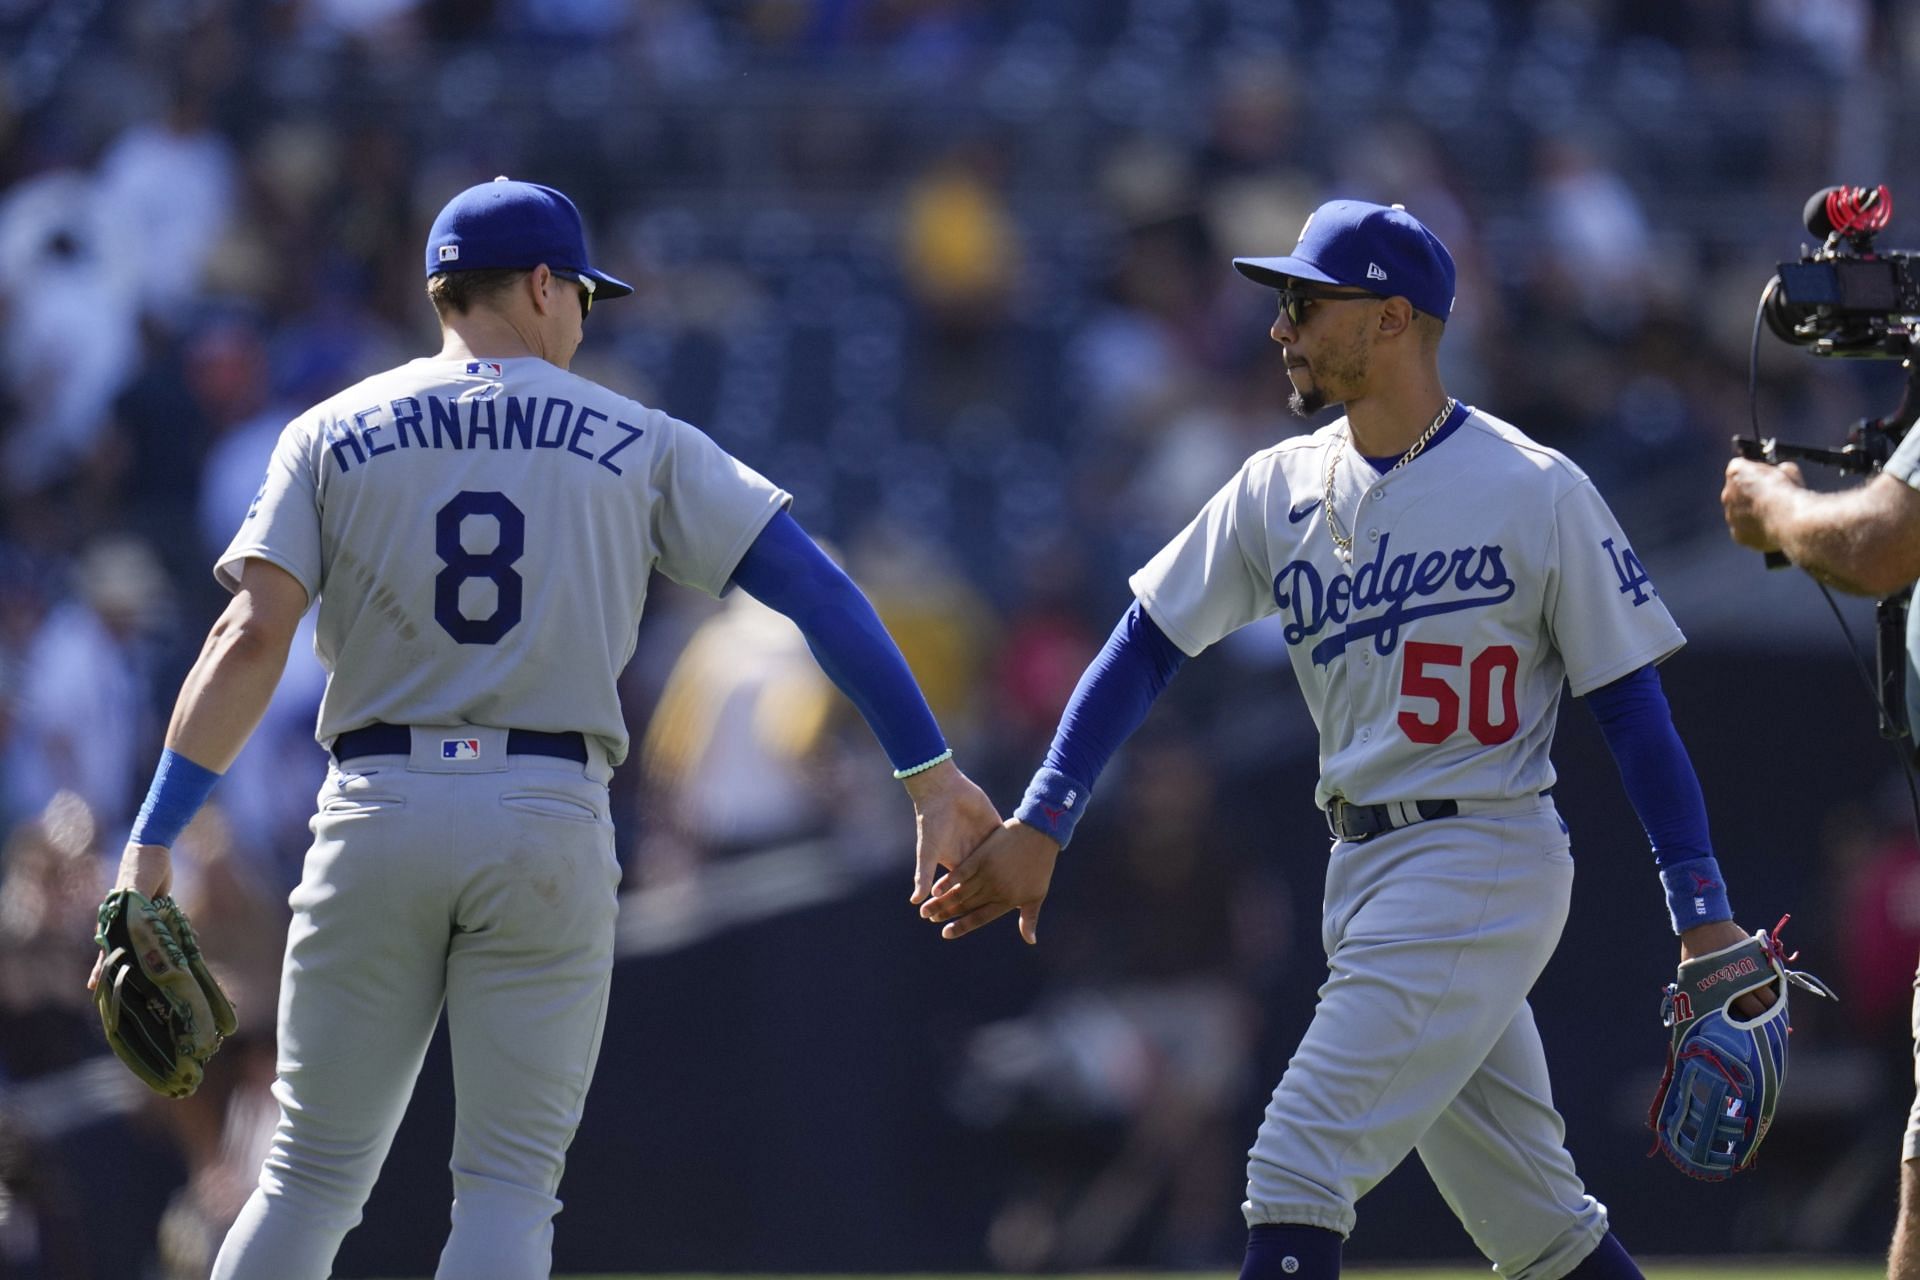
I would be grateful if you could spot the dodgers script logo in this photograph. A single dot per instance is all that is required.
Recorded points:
(1477, 573)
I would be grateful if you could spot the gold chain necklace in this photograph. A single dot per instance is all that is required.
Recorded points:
(1343, 541)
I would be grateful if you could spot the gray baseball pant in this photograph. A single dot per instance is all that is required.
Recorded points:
(485, 885)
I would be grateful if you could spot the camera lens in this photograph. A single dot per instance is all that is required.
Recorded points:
(1782, 316)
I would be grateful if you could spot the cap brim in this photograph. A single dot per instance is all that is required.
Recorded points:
(605, 286)
(1275, 272)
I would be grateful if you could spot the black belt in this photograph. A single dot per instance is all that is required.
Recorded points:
(397, 740)
(1356, 822)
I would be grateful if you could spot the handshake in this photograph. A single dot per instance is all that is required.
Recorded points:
(991, 867)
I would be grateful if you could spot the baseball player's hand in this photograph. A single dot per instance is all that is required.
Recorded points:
(1010, 871)
(1749, 497)
(1705, 939)
(950, 815)
(147, 869)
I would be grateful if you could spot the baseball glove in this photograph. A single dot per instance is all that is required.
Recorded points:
(1724, 1074)
(163, 1013)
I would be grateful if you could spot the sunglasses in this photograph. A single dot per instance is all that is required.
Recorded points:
(1294, 302)
(586, 291)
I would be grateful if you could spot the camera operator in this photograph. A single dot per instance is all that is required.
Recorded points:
(1865, 541)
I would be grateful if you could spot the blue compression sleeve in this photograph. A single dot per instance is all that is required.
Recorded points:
(788, 573)
(1112, 698)
(1665, 792)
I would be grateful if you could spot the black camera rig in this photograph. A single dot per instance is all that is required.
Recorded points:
(1848, 300)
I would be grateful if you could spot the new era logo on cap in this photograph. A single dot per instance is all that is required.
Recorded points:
(460, 748)
(1374, 272)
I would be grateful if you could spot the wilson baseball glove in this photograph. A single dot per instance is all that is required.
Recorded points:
(1724, 1073)
(163, 1013)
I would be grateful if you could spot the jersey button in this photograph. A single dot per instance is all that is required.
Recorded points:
(1373, 535)
(1379, 494)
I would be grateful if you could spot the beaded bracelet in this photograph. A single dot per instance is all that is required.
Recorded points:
(942, 758)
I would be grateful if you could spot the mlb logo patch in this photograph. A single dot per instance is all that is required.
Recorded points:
(489, 368)
(460, 748)
(449, 253)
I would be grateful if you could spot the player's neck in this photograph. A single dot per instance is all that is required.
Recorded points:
(482, 335)
(1385, 423)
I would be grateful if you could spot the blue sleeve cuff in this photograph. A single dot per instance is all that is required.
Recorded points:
(1053, 805)
(179, 788)
(1696, 893)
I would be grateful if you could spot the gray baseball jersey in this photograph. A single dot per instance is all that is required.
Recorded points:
(1481, 576)
(479, 534)
(1904, 466)
(1432, 663)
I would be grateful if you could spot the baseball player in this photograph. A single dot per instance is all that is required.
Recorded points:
(1866, 541)
(478, 527)
(1438, 576)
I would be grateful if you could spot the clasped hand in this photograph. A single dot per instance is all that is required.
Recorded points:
(1009, 871)
(992, 867)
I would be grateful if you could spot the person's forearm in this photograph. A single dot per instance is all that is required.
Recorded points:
(227, 691)
(1854, 540)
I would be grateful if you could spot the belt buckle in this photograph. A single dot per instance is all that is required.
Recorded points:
(1336, 819)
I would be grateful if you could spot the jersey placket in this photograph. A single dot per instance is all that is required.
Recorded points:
(1370, 523)
(1349, 673)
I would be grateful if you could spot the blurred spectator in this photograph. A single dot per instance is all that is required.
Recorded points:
(943, 625)
(85, 721)
(1047, 644)
(50, 886)
(730, 755)
(71, 341)
(960, 258)
(43, 1222)
(167, 189)
(961, 254)
(1598, 240)
(1879, 915)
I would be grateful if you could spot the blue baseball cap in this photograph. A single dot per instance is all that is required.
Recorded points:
(1381, 248)
(515, 225)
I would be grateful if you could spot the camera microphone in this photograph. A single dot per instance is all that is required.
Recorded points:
(1851, 211)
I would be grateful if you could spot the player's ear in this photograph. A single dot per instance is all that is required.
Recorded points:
(1396, 317)
(540, 289)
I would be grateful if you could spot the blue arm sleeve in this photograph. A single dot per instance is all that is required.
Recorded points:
(1112, 698)
(786, 571)
(1660, 781)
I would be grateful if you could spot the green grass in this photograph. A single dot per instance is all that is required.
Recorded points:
(1655, 1269)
